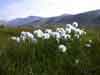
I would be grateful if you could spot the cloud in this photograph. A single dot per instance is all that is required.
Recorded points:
(56, 7)
(21, 8)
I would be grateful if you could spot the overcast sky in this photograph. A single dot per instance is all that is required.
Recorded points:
(10, 9)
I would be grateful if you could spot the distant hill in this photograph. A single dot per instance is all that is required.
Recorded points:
(3, 23)
(21, 21)
(86, 18)
(90, 18)
(50, 20)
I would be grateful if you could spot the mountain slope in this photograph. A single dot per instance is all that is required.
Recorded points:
(89, 18)
(22, 21)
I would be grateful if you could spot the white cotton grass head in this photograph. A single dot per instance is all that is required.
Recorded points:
(68, 26)
(13, 38)
(90, 41)
(77, 36)
(62, 33)
(68, 30)
(22, 33)
(38, 33)
(17, 39)
(34, 40)
(23, 38)
(67, 36)
(80, 32)
(75, 24)
(88, 45)
(29, 35)
(58, 41)
(46, 36)
(62, 48)
(26, 35)
(60, 30)
(57, 29)
(76, 61)
(48, 31)
(56, 35)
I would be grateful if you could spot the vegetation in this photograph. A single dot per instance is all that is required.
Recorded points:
(44, 58)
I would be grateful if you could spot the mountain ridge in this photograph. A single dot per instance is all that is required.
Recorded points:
(87, 18)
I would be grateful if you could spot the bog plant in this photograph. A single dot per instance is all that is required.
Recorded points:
(64, 51)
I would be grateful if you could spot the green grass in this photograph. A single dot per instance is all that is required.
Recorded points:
(44, 58)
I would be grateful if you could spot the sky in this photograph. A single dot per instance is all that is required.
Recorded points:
(11, 9)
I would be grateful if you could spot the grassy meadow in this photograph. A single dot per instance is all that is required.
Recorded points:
(44, 58)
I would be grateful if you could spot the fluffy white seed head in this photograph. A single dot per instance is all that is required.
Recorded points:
(77, 36)
(18, 39)
(23, 38)
(46, 36)
(80, 32)
(34, 40)
(62, 33)
(77, 61)
(62, 48)
(58, 29)
(68, 30)
(90, 41)
(67, 36)
(75, 24)
(38, 33)
(30, 35)
(26, 35)
(23, 33)
(56, 35)
(88, 45)
(13, 38)
(68, 26)
(48, 31)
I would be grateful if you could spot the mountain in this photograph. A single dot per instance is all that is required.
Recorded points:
(60, 19)
(22, 21)
(50, 21)
(3, 23)
(86, 18)
(90, 18)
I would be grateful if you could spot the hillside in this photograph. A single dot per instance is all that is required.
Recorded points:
(86, 18)
(90, 18)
